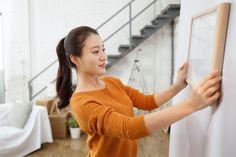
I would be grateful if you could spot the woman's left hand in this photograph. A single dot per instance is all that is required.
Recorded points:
(181, 76)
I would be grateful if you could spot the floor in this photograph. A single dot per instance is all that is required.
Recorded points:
(155, 145)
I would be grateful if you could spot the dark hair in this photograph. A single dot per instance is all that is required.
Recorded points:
(72, 44)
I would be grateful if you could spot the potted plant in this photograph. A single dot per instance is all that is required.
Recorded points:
(74, 128)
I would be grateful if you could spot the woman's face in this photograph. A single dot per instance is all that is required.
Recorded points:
(93, 57)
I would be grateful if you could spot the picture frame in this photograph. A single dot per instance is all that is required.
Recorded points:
(207, 42)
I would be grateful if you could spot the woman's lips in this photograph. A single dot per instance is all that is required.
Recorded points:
(102, 65)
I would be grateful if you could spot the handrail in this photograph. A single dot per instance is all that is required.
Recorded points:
(128, 21)
(101, 25)
(114, 14)
(46, 68)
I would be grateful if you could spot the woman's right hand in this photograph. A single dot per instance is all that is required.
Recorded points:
(206, 92)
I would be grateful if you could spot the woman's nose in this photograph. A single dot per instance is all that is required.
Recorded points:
(103, 56)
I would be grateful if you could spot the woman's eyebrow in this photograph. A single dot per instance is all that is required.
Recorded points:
(97, 46)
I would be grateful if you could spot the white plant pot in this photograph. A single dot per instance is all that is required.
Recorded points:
(75, 133)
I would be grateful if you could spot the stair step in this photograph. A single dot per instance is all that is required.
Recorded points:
(124, 48)
(164, 16)
(139, 36)
(137, 39)
(161, 19)
(114, 55)
(171, 7)
(149, 29)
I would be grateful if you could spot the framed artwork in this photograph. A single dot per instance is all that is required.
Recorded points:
(207, 42)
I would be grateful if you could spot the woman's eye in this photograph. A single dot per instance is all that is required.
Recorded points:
(95, 52)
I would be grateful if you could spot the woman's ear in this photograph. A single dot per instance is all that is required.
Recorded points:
(74, 60)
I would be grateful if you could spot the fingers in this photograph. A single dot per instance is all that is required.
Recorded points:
(184, 67)
(210, 76)
(181, 68)
(213, 98)
(212, 90)
(210, 83)
(207, 91)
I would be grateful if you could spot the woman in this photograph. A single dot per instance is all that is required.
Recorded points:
(103, 106)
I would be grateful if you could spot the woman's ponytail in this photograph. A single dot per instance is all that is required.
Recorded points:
(64, 76)
(71, 45)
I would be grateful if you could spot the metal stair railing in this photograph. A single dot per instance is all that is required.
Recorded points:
(31, 96)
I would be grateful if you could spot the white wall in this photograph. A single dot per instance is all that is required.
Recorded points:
(32, 29)
(210, 132)
(52, 20)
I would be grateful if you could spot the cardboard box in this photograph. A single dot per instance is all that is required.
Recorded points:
(58, 119)
(59, 124)
(47, 102)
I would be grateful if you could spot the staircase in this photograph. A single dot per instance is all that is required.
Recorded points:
(167, 15)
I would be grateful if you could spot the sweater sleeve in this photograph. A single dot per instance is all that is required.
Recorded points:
(94, 117)
(140, 100)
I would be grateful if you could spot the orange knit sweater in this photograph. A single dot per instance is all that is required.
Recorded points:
(107, 117)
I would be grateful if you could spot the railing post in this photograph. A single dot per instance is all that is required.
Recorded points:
(30, 90)
(172, 25)
(130, 26)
